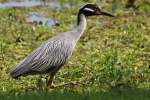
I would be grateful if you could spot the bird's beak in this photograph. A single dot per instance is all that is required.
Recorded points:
(106, 14)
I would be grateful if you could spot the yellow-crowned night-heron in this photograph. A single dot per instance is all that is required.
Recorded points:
(50, 56)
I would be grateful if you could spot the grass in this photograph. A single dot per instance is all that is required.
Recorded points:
(113, 54)
(67, 95)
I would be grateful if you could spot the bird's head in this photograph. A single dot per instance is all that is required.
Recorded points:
(91, 9)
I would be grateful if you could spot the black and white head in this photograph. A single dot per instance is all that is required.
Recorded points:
(91, 9)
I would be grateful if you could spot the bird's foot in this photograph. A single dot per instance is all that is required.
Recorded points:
(70, 84)
(52, 85)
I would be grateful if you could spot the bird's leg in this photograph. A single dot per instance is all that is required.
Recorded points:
(50, 81)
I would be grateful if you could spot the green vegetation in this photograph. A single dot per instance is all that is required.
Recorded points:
(67, 95)
(112, 58)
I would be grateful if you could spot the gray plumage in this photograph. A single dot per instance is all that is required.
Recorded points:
(53, 53)
(50, 55)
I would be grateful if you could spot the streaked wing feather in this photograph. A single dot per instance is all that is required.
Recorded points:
(52, 53)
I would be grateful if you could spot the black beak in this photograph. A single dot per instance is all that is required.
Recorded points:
(106, 14)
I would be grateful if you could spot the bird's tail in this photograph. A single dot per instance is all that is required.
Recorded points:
(15, 73)
(19, 70)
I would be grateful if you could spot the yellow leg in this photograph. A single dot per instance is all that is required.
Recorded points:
(70, 84)
(50, 83)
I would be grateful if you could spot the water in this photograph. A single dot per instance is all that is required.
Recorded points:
(34, 16)
(42, 21)
(21, 4)
(56, 4)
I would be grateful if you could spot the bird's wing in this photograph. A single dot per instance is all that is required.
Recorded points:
(49, 54)
(53, 54)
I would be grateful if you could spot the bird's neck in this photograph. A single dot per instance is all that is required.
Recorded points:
(81, 20)
(81, 25)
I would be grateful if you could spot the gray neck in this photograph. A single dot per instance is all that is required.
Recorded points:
(75, 34)
(81, 26)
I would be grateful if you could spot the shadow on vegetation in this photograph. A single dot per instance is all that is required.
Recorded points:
(132, 94)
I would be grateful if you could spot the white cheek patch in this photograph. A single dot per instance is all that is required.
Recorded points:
(89, 9)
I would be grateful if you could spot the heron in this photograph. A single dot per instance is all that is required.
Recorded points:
(52, 54)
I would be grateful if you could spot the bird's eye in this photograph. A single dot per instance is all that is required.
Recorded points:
(97, 10)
